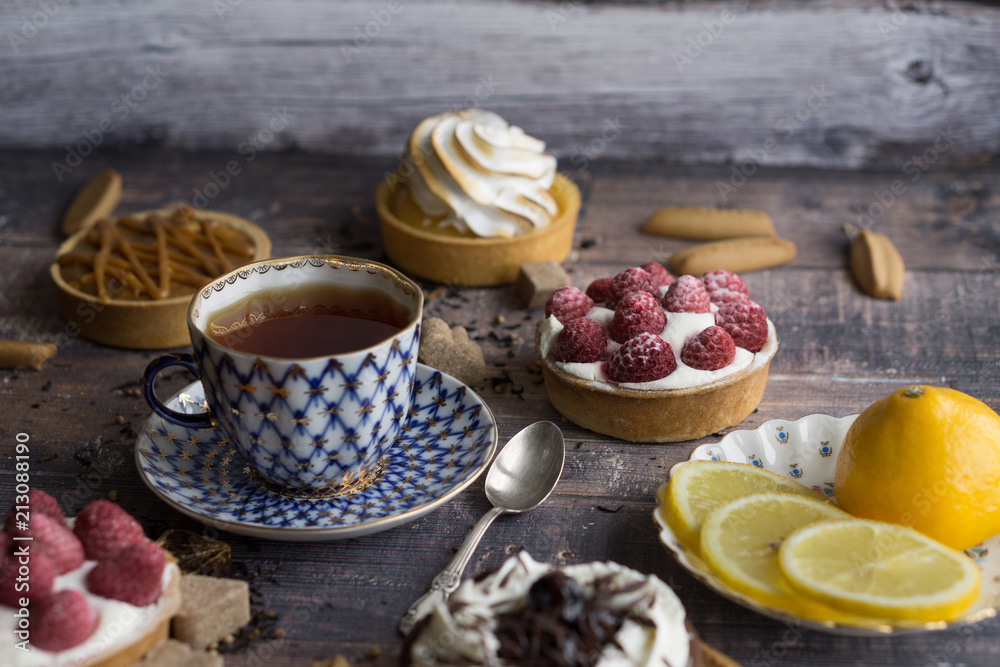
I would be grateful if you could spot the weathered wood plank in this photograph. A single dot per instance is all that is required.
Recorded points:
(825, 84)
(840, 350)
(941, 220)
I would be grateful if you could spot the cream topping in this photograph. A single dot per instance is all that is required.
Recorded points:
(460, 631)
(476, 173)
(679, 327)
(119, 624)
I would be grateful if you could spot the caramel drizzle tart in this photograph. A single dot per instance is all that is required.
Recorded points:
(173, 254)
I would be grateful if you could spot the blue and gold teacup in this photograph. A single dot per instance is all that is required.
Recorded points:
(306, 422)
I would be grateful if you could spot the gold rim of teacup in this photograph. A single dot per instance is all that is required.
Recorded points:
(297, 261)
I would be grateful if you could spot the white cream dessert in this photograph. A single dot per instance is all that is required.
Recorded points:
(90, 591)
(680, 327)
(612, 615)
(477, 174)
(650, 357)
(119, 624)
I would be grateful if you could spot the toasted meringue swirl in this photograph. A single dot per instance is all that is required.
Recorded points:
(476, 173)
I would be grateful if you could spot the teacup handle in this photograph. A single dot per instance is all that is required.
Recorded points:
(197, 420)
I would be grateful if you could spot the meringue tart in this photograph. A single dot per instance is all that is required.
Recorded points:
(473, 199)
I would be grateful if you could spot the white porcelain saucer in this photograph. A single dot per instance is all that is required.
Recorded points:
(806, 450)
(448, 439)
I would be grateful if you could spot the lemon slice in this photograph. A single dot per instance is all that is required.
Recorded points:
(879, 569)
(740, 542)
(698, 487)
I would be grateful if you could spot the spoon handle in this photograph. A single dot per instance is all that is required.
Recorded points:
(448, 579)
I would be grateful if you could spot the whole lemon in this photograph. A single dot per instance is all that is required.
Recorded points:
(925, 457)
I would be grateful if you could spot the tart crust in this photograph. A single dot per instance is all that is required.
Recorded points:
(143, 325)
(664, 415)
(476, 261)
(157, 631)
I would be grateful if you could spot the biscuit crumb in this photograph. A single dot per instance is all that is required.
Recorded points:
(536, 281)
(211, 609)
(451, 351)
(339, 661)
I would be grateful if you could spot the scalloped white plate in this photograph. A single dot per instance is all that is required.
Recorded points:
(806, 450)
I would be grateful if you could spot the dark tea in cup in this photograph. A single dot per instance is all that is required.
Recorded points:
(310, 320)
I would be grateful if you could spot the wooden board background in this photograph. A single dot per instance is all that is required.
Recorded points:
(822, 83)
(851, 94)
(840, 350)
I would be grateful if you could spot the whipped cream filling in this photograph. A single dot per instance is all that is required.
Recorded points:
(460, 631)
(679, 327)
(119, 624)
(474, 172)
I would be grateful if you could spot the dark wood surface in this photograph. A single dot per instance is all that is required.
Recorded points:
(840, 350)
(825, 83)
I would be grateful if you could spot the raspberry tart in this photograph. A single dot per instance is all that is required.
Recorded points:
(97, 592)
(474, 198)
(651, 357)
(530, 613)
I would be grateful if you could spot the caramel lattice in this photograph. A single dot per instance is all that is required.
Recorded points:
(153, 258)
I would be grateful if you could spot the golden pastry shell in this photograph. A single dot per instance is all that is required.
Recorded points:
(142, 325)
(476, 261)
(661, 415)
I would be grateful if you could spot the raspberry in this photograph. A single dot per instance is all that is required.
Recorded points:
(724, 287)
(41, 576)
(62, 620)
(104, 528)
(600, 290)
(687, 295)
(132, 575)
(709, 350)
(746, 322)
(636, 313)
(642, 359)
(567, 304)
(56, 540)
(582, 340)
(39, 502)
(661, 276)
(631, 280)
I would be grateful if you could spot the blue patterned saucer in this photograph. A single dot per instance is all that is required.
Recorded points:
(447, 441)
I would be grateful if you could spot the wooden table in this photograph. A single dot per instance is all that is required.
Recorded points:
(840, 350)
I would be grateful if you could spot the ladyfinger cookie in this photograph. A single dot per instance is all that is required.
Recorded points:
(735, 255)
(17, 354)
(708, 224)
(877, 265)
(97, 199)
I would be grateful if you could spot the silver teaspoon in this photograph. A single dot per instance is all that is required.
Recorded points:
(521, 476)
